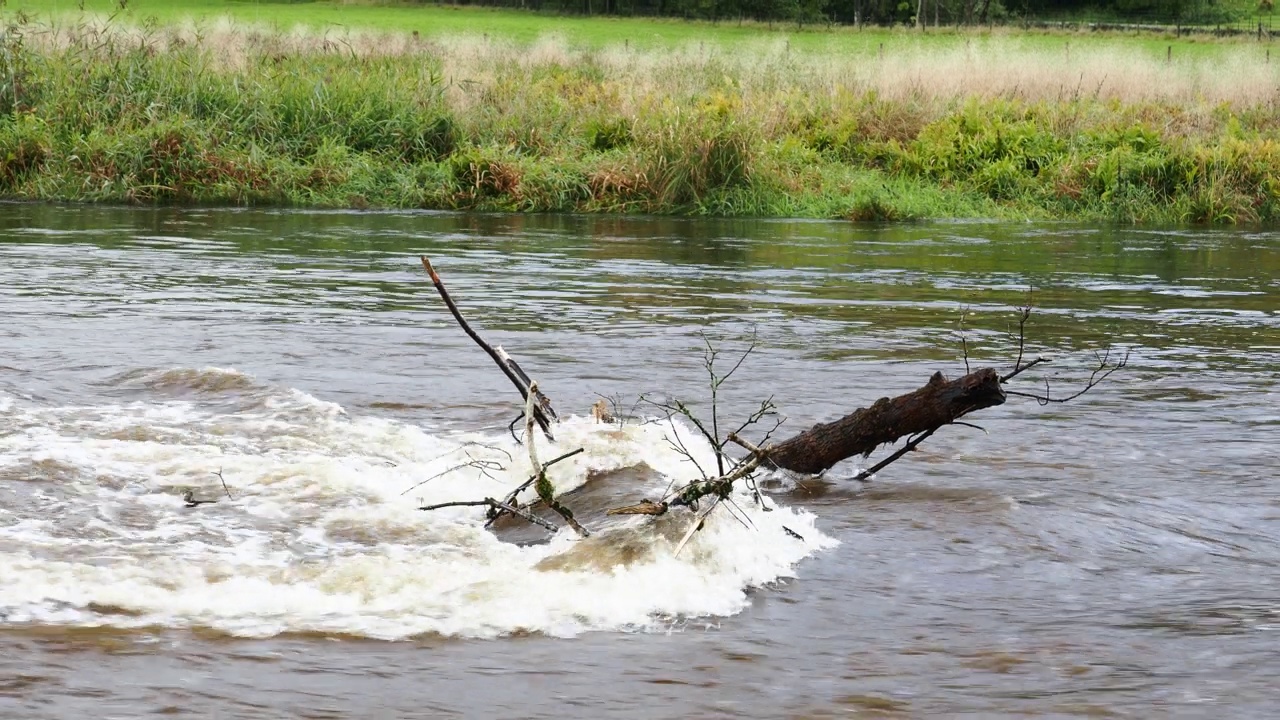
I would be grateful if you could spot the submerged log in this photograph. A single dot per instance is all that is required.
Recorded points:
(938, 403)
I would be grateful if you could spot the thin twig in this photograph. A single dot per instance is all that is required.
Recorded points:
(472, 443)
(1022, 368)
(604, 415)
(460, 503)
(709, 359)
(526, 515)
(495, 506)
(511, 428)
(740, 514)
(698, 520)
(865, 475)
(678, 445)
(751, 346)
(1104, 370)
(224, 484)
(765, 440)
(708, 435)
(766, 408)
(1024, 314)
(482, 465)
(709, 362)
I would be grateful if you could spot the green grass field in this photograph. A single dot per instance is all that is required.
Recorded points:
(430, 20)
(595, 32)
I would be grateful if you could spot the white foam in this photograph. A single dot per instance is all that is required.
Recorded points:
(320, 537)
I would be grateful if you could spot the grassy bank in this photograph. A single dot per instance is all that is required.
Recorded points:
(978, 125)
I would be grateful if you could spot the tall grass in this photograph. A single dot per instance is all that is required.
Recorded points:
(993, 126)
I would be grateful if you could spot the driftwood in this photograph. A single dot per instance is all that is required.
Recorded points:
(940, 402)
(916, 415)
(543, 413)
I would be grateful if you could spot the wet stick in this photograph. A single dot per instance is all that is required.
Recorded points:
(546, 491)
(542, 411)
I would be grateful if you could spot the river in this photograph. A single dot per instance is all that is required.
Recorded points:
(1117, 555)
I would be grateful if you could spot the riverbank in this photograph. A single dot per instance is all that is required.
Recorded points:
(1001, 126)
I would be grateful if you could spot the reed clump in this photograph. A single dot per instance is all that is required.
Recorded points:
(994, 126)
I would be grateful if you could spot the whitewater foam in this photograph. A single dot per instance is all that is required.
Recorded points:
(320, 536)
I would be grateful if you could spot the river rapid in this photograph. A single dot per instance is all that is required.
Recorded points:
(1112, 556)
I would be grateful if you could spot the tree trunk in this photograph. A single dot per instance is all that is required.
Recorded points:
(938, 403)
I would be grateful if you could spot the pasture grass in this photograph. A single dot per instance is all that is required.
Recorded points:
(982, 125)
(528, 27)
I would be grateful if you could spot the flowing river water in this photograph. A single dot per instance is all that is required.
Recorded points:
(1113, 556)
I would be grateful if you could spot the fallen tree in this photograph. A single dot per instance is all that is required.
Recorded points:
(915, 415)
(940, 402)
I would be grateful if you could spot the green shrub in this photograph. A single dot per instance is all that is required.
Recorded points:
(609, 134)
(480, 173)
(691, 158)
(25, 145)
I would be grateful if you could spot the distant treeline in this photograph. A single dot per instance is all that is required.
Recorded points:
(891, 12)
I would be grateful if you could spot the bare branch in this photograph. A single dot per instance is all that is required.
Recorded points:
(716, 382)
(466, 445)
(708, 435)
(751, 346)
(865, 475)
(765, 440)
(565, 456)
(746, 444)
(495, 506)
(511, 428)
(739, 514)
(766, 408)
(696, 525)
(543, 412)
(530, 416)
(1104, 370)
(678, 445)
(1021, 368)
(644, 507)
(460, 503)
(481, 465)
(688, 495)
(224, 484)
(1024, 314)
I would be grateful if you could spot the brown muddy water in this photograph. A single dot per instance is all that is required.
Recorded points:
(1113, 557)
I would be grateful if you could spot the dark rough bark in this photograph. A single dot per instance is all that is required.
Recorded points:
(939, 402)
